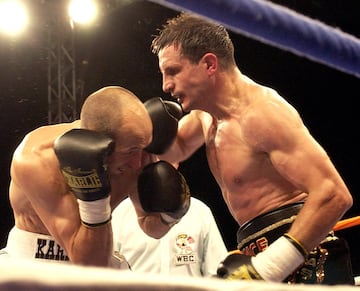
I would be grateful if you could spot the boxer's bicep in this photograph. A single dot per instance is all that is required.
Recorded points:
(40, 183)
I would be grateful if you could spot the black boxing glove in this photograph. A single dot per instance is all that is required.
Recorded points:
(237, 266)
(163, 189)
(81, 154)
(164, 116)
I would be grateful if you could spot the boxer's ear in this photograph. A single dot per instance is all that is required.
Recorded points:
(211, 62)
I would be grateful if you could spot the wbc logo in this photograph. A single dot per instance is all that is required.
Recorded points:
(185, 254)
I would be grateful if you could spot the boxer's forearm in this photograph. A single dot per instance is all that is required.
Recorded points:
(92, 246)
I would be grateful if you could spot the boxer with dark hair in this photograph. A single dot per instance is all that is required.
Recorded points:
(278, 182)
(67, 178)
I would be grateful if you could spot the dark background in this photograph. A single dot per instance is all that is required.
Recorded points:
(117, 52)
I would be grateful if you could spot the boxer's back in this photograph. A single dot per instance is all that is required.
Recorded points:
(34, 167)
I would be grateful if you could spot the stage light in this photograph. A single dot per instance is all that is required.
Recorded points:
(13, 17)
(83, 11)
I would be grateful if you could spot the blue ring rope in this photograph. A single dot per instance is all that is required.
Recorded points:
(280, 27)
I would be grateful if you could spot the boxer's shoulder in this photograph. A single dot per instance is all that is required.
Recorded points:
(35, 154)
(41, 139)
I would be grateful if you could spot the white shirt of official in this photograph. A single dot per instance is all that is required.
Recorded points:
(192, 247)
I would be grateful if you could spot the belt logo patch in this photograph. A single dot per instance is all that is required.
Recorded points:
(258, 246)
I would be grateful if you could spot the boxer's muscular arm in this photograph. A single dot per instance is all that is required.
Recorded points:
(299, 159)
(328, 197)
(189, 138)
(36, 174)
(302, 161)
(83, 157)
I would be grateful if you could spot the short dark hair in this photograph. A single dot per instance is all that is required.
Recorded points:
(195, 36)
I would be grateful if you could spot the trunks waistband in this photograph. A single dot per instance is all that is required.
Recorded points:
(29, 245)
(271, 225)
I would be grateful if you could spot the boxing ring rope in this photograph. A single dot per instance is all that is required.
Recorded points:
(280, 27)
(346, 223)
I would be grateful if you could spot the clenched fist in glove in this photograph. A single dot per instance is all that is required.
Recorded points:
(163, 189)
(237, 266)
(164, 116)
(274, 264)
(81, 154)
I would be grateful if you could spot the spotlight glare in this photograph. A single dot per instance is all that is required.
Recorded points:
(13, 17)
(83, 11)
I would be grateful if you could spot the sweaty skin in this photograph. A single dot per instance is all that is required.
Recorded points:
(258, 149)
(43, 203)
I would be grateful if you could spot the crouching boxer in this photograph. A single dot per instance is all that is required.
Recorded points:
(67, 178)
(266, 236)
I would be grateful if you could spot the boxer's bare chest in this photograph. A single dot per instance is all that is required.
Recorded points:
(233, 162)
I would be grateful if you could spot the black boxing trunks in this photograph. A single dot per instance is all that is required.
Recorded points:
(329, 263)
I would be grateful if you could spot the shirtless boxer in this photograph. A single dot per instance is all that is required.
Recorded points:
(67, 178)
(278, 182)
